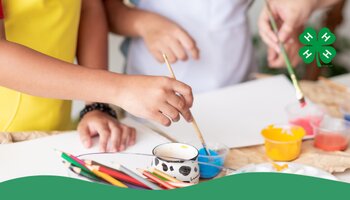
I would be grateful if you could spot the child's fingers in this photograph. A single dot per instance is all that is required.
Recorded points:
(185, 91)
(84, 135)
(169, 53)
(266, 32)
(115, 136)
(157, 54)
(180, 104)
(125, 134)
(188, 42)
(171, 112)
(178, 49)
(104, 133)
(132, 138)
(160, 118)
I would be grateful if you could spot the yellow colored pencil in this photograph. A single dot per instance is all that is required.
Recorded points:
(107, 177)
(164, 175)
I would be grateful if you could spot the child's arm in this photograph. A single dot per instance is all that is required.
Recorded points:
(31, 72)
(92, 53)
(160, 34)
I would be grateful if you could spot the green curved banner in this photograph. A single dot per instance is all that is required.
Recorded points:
(242, 186)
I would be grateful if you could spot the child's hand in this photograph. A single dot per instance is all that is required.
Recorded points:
(161, 99)
(290, 15)
(108, 128)
(276, 59)
(163, 35)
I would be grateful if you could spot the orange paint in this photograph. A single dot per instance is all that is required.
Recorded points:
(331, 141)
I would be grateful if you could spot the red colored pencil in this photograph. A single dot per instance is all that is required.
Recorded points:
(156, 179)
(114, 173)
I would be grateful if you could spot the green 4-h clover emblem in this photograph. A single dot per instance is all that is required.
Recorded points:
(317, 47)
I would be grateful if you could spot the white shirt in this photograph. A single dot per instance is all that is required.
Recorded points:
(221, 31)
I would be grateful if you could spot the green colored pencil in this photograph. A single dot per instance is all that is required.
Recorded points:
(73, 162)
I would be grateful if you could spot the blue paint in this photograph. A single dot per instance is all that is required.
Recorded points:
(207, 171)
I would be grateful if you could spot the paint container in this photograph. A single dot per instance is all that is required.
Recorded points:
(211, 166)
(332, 134)
(303, 116)
(283, 142)
(178, 160)
(345, 109)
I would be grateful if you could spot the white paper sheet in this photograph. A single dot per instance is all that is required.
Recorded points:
(37, 157)
(235, 115)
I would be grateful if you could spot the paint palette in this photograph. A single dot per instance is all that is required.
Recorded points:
(293, 168)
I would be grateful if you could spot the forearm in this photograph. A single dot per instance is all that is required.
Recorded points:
(125, 20)
(31, 72)
(92, 49)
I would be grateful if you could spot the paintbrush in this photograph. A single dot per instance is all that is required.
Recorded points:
(299, 93)
(194, 123)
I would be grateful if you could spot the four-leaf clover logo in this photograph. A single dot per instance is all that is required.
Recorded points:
(317, 47)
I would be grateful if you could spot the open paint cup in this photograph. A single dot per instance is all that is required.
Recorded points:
(178, 160)
(211, 165)
(345, 109)
(303, 116)
(332, 134)
(283, 142)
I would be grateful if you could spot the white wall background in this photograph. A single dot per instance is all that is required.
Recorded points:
(116, 60)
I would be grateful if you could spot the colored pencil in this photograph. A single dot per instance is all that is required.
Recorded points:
(164, 175)
(137, 177)
(156, 179)
(107, 177)
(180, 185)
(84, 174)
(299, 93)
(69, 159)
(194, 122)
(81, 172)
(115, 173)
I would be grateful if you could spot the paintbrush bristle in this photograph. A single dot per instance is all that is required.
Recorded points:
(302, 102)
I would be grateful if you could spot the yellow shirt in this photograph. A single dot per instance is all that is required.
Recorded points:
(50, 27)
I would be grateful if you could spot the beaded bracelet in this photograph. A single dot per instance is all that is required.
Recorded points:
(103, 107)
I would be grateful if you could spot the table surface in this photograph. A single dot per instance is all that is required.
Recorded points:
(344, 176)
(345, 80)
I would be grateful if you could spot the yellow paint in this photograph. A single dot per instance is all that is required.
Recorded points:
(184, 146)
(283, 143)
(279, 167)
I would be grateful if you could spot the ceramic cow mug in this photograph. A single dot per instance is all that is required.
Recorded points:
(178, 160)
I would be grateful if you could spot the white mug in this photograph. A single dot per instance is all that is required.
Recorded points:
(178, 160)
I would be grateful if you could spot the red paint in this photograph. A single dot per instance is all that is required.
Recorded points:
(305, 122)
(302, 103)
(331, 141)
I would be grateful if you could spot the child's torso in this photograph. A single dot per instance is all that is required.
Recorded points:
(50, 27)
(220, 29)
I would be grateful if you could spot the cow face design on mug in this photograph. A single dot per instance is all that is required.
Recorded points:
(178, 160)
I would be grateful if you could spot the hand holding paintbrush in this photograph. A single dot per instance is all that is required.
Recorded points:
(299, 94)
(194, 123)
